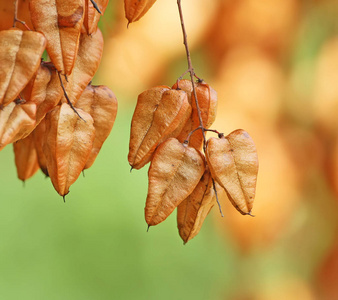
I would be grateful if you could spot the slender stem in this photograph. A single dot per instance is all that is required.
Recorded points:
(96, 7)
(16, 3)
(186, 141)
(219, 205)
(67, 98)
(191, 71)
(192, 75)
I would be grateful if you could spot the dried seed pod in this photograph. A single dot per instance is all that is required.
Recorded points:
(38, 135)
(44, 90)
(174, 172)
(67, 145)
(16, 122)
(160, 113)
(207, 102)
(26, 159)
(61, 24)
(186, 86)
(193, 210)
(101, 103)
(136, 9)
(86, 65)
(233, 163)
(92, 16)
(20, 55)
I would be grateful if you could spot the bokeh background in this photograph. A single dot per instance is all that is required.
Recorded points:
(274, 65)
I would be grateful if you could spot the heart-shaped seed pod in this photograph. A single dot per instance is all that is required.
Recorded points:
(61, 24)
(233, 163)
(26, 159)
(16, 122)
(92, 16)
(186, 86)
(67, 145)
(160, 113)
(136, 9)
(193, 210)
(174, 172)
(101, 103)
(38, 135)
(207, 102)
(44, 90)
(86, 64)
(20, 55)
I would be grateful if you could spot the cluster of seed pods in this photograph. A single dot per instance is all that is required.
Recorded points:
(56, 120)
(166, 131)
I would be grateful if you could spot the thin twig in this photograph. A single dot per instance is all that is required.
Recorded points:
(219, 204)
(186, 141)
(68, 101)
(16, 3)
(191, 71)
(96, 7)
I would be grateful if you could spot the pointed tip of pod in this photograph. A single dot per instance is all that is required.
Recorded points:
(250, 214)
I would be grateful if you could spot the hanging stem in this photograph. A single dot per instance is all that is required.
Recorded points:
(16, 3)
(66, 96)
(191, 71)
(192, 74)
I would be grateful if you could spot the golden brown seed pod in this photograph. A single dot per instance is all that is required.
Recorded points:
(101, 103)
(26, 159)
(136, 9)
(233, 163)
(86, 64)
(61, 24)
(67, 145)
(160, 113)
(20, 55)
(16, 122)
(38, 135)
(193, 210)
(207, 101)
(174, 172)
(92, 16)
(44, 90)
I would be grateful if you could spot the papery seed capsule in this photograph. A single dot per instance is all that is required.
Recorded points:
(160, 113)
(61, 24)
(26, 159)
(39, 140)
(16, 122)
(67, 145)
(20, 55)
(92, 16)
(207, 102)
(135, 9)
(233, 163)
(193, 210)
(174, 172)
(101, 103)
